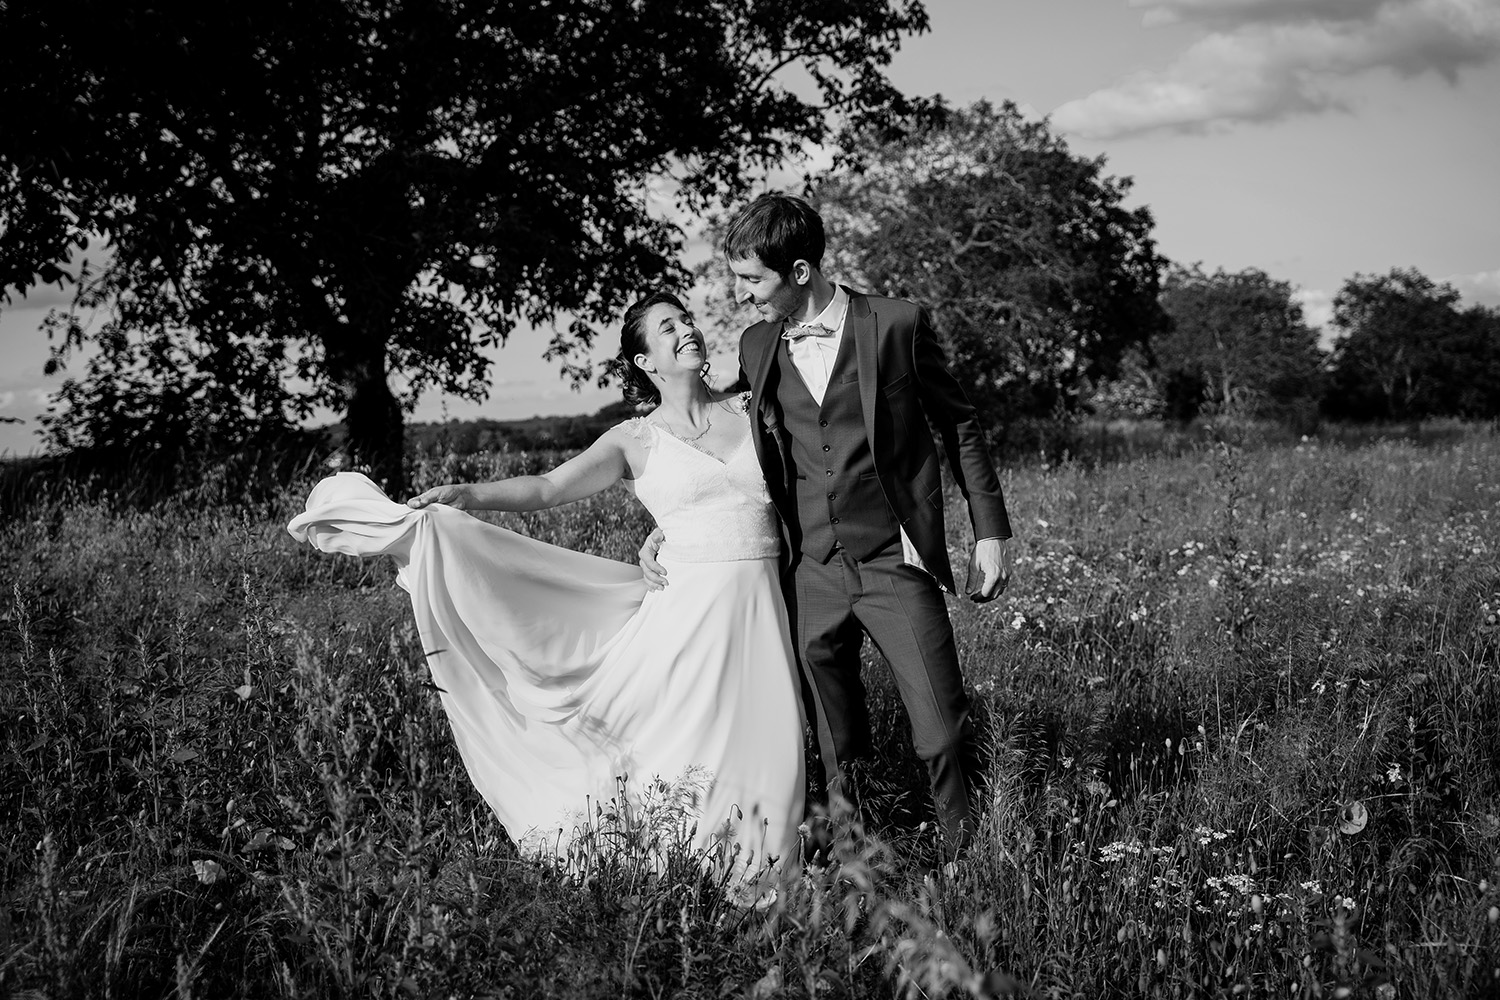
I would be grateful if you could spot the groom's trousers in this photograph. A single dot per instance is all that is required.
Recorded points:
(902, 609)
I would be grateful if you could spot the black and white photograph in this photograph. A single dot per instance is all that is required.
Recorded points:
(708, 499)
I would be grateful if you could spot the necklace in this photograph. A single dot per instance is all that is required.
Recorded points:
(708, 425)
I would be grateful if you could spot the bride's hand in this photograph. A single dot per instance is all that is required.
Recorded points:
(455, 495)
(655, 574)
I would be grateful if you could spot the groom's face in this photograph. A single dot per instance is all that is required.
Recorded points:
(775, 296)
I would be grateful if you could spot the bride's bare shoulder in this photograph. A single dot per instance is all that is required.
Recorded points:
(636, 429)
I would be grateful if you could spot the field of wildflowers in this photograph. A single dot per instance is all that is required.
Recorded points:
(1243, 703)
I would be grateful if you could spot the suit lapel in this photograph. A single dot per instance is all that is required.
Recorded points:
(860, 323)
(764, 340)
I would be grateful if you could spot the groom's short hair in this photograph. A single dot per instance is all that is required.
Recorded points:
(780, 229)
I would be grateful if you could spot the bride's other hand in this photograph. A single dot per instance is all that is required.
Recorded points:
(456, 495)
(656, 576)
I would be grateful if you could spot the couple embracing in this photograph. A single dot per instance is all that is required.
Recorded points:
(793, 518)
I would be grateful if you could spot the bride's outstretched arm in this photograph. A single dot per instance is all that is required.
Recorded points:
(599, 467)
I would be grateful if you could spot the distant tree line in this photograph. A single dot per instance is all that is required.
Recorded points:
(1404, 349)
(567, 433)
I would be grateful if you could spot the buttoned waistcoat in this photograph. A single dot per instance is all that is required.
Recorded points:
(904, 388)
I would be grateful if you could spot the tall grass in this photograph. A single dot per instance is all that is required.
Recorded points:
(1242, 705)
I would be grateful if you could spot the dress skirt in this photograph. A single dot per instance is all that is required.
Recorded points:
(587, 709)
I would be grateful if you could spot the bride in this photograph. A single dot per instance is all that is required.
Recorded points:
(575, 693)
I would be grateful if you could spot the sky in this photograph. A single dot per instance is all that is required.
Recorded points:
(1312, 139)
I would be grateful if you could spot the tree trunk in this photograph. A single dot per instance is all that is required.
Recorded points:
(377, 433)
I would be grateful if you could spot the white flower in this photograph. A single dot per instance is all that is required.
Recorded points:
(1117, 850)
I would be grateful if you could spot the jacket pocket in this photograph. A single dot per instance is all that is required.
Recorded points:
(896, 384)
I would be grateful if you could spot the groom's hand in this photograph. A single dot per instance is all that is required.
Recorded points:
(656, 576)
(989, 570)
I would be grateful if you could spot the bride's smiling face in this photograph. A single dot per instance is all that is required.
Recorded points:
(672, 340)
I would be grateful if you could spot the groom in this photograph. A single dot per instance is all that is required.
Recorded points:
(843, 389)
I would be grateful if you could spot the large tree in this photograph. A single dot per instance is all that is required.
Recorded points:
(1238, 343)
(1409, 350)
(1038, 275)
(322, 195)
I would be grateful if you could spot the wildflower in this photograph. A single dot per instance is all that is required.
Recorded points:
(1117, 851)
(1393, 774)
(1242, 883)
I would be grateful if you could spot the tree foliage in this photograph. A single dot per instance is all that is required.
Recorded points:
(1410, 351)
(1237, 344)
(1038, 276)
(351, 191)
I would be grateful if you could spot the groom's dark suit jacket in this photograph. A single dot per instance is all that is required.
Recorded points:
(903, 383)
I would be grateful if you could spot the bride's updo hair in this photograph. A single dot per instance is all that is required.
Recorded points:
(637, 386)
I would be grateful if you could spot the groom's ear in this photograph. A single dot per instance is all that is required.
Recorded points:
(801, 272)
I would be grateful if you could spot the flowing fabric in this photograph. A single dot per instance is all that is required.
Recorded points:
(573, 692)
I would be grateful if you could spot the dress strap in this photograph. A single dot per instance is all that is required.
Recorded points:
(641, 430)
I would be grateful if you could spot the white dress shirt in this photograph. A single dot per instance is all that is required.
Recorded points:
(813, 358)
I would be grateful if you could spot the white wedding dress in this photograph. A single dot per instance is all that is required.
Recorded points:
(581, 703)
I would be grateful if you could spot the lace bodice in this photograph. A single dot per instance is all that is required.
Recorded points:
(710, 510)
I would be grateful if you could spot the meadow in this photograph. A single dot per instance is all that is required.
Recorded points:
(1241, 703)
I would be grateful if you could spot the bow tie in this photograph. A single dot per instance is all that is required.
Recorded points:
(796, 332)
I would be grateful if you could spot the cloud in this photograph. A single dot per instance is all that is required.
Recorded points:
(40, 297)
(1481, 288)
(1317, 306)
(1234, 13)
(7, 400)
(1265, 60)
(51, 296)
(1317, 312)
